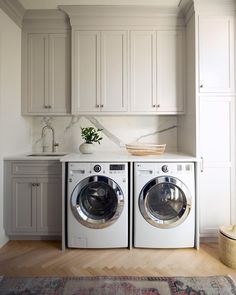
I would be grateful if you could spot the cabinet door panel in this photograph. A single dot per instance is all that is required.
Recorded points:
(49, 201)
(59, 73)
(214, 199)
(143, 71)
(216, 54)
(215, 130)
(37, 73)
(86, 82)
(114, 71)
(170, 71)
(23, 205)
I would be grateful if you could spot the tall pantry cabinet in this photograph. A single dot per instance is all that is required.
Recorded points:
(215, 97)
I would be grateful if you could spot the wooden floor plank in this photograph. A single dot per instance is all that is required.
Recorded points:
(44, 258)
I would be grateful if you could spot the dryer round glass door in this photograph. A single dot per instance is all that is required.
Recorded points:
(165, 202)
(97, 201)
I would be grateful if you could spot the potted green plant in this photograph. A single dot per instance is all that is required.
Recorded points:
(90, 135)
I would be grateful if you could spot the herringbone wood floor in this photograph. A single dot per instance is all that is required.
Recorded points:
(43, 258)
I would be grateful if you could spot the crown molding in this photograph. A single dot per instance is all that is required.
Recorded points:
(215, 6)
(122, 15)
(46, 19)
(14, 10)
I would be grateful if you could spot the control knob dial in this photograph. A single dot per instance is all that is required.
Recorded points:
(97, 168)
(164, 168)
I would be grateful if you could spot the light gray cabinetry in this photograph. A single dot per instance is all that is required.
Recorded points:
(100, 71)
(157, 71)
(216, 121)
(33, 192)
(47, 82)
(216, 54)
(46, 65)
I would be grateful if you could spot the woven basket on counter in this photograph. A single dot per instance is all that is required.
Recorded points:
(227, 245)
(145, 149)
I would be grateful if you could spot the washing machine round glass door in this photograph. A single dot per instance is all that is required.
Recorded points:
(165, 202)
(97, 201)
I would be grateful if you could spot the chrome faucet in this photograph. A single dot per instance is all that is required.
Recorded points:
(54, 144)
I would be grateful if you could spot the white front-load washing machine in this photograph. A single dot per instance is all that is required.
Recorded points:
(164, 205)
(97, 205)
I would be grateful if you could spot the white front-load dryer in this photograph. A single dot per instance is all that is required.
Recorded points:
(97, 205)
(164, 205)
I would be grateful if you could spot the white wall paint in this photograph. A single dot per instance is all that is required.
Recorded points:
(15, 131)
(118, 130)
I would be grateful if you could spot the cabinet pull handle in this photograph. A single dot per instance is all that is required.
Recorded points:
(202, 165)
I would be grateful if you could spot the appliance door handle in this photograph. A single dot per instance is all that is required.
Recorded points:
(202, 165)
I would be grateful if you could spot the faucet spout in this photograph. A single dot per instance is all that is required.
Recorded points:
(53, 145)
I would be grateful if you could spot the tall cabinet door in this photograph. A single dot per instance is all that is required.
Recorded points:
(113, 71)
(170, 71)
(143, 71)
(23, 215)
(49, 214)
(59, 73)
(215, 175)
(216, 51)
(86, 71)
(37, 77)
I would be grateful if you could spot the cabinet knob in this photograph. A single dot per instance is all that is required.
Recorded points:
(201, 86)
(97, 105)
(49, 107)
(101, 105)
(158, 105)
(153, 105)
(45, 106)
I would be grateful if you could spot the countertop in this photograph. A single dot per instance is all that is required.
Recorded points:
(104, 156)
(124, 156)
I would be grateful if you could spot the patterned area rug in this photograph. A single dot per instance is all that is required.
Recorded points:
(118, 285)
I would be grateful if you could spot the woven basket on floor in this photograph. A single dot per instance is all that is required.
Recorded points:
(227, 245)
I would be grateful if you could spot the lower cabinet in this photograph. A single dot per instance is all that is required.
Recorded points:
(33, 202)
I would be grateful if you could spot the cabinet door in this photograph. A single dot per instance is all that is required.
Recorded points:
(59, 73)
(216, 54)
(215, 177)
(113, 71)
(86, 69)
(49, 200)
(24, 205)
(170, 71)
(37, 77)
(143, 71)
(214, 198)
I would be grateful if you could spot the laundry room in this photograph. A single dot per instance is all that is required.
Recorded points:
(117, 138)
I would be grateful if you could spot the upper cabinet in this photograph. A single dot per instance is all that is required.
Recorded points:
(157, 71)
(216, 53)
(100, 71)
(125, 60)
(45, 71)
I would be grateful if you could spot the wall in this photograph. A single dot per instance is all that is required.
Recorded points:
(15, 131)
(117, 130)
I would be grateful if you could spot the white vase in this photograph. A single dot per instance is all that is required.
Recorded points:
(86, 148)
